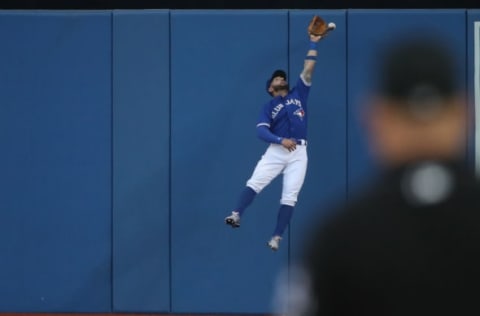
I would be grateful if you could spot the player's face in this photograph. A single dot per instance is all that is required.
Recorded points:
(278, 81)
(279, 86)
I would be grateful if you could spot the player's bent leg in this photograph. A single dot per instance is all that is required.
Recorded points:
(268, 168)
(246, 198)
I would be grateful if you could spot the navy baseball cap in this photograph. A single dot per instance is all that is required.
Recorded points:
(276, 73)
(419, 69)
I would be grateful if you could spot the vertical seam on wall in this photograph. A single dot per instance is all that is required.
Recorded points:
(347, 108)
(289, 71)
(170, 162)
(289, 252)
(112, 164)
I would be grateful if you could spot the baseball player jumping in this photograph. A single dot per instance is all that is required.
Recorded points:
(282, 124)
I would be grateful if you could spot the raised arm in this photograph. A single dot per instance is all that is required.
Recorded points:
(311, 59)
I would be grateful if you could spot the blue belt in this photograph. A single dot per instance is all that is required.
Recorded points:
(302, 142)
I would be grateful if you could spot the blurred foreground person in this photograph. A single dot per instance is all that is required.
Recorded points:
(408, 244)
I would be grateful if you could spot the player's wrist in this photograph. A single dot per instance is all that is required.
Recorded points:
(312, 45)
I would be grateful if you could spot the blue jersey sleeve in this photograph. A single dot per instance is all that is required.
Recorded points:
(265, 134)
(264, 124)
(264, 118)
(303, 88)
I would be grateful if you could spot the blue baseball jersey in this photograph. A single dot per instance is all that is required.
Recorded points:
(286, 116)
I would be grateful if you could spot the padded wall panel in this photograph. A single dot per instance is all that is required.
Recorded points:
(218, 89)
(55, 135)
(325, 182)
(141, 134)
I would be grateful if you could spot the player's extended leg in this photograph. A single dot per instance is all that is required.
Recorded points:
(267, 168)
(246, 198)
(293, 178)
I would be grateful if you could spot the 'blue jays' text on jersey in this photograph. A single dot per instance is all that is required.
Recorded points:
(287, 116)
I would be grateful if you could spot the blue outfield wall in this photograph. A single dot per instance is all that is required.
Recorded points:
(141, 138)
(326, 178)
(126, 139)
(361, 58)
(55, 140)
(218, 88)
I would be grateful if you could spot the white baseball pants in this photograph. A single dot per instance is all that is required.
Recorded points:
(277, 159)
